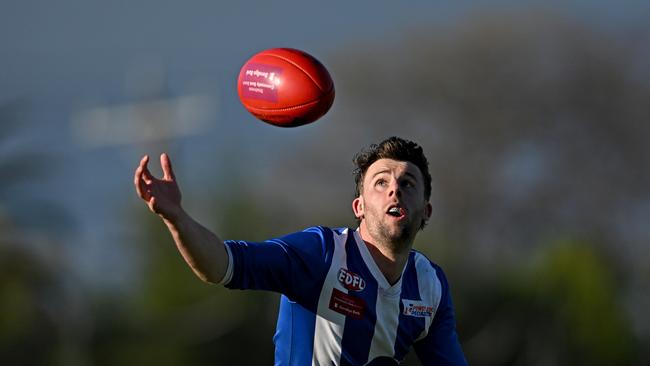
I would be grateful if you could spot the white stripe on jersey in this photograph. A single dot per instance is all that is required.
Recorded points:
(383, 339)
(328, 332)
(387, 307)
(430, 291)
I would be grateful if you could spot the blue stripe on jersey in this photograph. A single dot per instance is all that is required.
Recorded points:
(358, 333)
(312, 290)
(294, 337)
(409, 327)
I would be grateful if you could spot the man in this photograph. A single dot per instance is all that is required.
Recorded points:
(349, 297)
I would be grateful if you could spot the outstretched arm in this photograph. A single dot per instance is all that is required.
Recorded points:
(203, 251)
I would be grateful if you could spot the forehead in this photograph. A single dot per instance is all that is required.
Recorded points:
(396, 167)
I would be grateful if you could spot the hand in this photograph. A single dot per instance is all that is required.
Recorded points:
(163, 196)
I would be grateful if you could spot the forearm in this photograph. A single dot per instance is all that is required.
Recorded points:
(202, 250)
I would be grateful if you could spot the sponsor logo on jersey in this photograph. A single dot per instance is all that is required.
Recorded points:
(347, 305)
(351, 281)
(417, 308)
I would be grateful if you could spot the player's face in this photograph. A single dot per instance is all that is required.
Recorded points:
(392, 205)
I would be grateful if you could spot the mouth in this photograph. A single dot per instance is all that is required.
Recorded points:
(397, 212)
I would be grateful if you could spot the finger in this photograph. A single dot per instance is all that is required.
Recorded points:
(152, 205)
(146, 174)
(139, 183)
(166, 164)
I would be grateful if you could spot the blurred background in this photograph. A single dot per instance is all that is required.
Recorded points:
(534, 116)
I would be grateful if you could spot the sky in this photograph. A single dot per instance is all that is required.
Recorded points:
(67, 60)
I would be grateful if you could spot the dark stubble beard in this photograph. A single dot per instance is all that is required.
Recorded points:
(396, 240)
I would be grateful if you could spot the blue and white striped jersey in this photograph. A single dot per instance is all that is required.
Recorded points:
(338, 308)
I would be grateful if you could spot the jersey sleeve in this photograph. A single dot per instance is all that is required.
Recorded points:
(293, 265)
(441, 346)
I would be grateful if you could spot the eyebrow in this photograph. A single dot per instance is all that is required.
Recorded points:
(381, 172)
(407, 173)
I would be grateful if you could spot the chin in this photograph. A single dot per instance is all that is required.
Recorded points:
(399, 235)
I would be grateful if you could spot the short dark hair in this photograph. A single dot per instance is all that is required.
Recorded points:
(395, 148)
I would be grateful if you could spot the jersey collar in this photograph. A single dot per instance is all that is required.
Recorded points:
(383, 284)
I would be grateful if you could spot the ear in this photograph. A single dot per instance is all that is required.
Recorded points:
(428, 211)
(357, 207)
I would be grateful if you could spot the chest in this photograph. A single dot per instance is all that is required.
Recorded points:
(354, 305)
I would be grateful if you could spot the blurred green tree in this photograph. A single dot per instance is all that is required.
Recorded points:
(172, 318)
(562, 306)
(37, 324)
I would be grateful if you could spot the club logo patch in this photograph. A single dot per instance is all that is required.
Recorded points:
(417, 308)
(347, 305)
(260, 82)
(351, 281)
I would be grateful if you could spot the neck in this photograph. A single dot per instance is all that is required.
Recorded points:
(389, 257)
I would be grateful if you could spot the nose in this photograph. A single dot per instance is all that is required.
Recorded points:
(394, 190)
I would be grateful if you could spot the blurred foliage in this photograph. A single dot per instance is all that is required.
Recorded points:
(536, 129)
(172, 318)
(25, 325)
(37, 326)
(578, 289)
(561, 307)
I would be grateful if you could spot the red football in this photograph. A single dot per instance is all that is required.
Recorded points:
(285, 87)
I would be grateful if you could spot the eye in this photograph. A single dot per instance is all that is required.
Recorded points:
(408, 183)
(380, 182)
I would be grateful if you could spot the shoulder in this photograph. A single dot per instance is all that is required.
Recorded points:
(429, 271)
(314, 239)
(310, 235)
(426, 265)
(315, 233)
